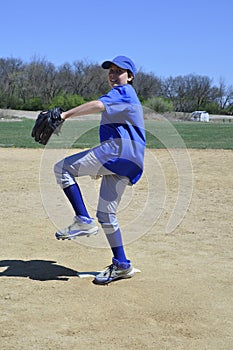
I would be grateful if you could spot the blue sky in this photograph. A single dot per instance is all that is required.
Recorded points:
(166, 37)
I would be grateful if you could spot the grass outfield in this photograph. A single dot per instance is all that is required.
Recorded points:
(84, 134)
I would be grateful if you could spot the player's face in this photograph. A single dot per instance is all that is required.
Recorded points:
(117, 76)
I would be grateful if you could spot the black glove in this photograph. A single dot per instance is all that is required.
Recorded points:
(46, 124)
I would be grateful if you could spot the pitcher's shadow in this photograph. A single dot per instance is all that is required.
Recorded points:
(41, 270)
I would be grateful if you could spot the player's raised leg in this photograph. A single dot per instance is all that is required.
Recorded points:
(65, 172)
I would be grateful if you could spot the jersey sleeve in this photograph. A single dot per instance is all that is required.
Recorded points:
(117, 94)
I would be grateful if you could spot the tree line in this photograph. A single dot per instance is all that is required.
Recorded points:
(40, 85)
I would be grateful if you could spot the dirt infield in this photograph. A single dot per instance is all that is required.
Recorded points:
(182, 299)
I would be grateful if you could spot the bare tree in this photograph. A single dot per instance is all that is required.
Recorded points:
(147, 85)
(40, 80)
(188, 92)
(224, 94)
(10, 76)
(82, 78)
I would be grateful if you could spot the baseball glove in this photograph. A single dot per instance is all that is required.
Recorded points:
(47, 123)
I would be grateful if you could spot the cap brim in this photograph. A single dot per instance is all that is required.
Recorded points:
(106, 64)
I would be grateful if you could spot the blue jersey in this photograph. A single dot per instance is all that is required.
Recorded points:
(122, 133)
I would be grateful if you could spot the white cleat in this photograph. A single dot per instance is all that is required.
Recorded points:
(78, 228)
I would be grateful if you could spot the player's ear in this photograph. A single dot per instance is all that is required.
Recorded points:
(130, 77)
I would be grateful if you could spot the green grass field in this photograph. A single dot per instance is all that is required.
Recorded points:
(84, 134)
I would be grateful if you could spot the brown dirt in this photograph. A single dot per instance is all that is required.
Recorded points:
(182, 299)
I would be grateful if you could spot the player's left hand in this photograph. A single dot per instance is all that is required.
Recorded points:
(46, 124)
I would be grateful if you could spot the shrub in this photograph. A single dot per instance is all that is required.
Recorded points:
(159, 104)
(10, 101)
(66, 101)
(34, 104)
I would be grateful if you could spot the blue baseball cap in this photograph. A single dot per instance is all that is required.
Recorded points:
(122, 62)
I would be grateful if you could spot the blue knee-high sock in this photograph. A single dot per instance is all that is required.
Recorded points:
(74, 195)
(115, 241)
